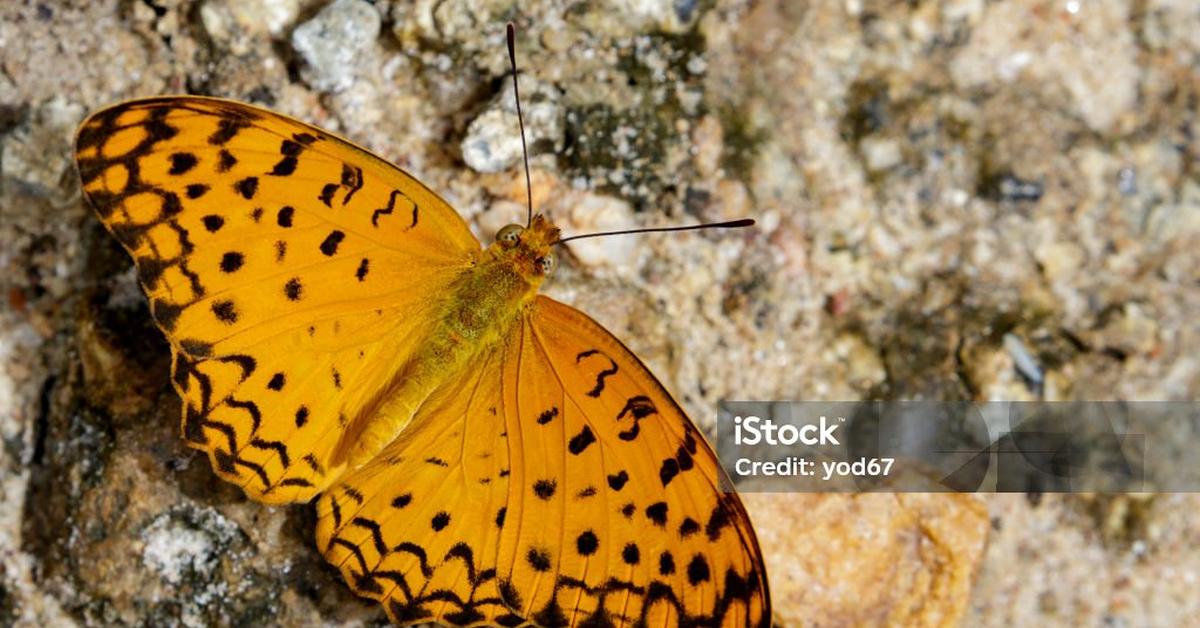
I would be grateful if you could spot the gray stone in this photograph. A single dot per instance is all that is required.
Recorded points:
(332, 42)
(493, 141)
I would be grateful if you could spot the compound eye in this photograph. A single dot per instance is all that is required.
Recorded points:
(546, 264)
(509, 235)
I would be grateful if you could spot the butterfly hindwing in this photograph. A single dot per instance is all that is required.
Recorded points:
(289, 269)
(557, 483)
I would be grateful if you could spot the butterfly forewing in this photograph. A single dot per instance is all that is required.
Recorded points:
(289, 269)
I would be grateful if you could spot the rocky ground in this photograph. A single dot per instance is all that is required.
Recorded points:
(944, 191)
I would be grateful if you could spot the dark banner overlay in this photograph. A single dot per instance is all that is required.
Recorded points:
(924, 446)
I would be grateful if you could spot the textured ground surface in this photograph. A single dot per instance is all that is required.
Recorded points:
(930, 178)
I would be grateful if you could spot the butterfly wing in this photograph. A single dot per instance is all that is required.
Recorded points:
(289, 269)
(557, 483)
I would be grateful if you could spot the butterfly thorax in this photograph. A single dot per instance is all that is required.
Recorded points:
(487, 298)
(480, 308)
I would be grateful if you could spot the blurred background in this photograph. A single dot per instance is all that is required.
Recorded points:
(956, 200)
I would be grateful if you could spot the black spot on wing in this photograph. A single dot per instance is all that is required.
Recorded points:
(181, 163)
(247, 187)
(232, 261)
(225, 311)
(329, 245)
(293, 289)
(617, 481)
(290, 149)
(538, 558)
(666, 564)
(719, 519)
(631, 554)
(668, 471)
(213, 222)
(587, 543)
(697, 570)
(545, 489)
(227, 128)
(657, 513)
(547, 416)
(225, 161)
(581, 441)
(285, 167)
(327, 193)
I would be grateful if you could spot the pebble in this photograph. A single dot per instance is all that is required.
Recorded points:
(331, 43)
(234, 24)
(881, 154)
(593, 213)
(556, 39)
(1023, 360)
(493, 140)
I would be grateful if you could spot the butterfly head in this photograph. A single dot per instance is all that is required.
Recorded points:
(528, 248)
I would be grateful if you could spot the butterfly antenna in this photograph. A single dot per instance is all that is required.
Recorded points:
(512, 60)
(732, 224)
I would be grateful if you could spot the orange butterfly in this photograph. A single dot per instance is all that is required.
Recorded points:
(480, 454)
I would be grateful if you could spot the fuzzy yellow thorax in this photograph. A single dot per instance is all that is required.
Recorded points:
(478, 310)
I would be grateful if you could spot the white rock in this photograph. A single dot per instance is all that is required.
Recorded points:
(493, 141)
(331, 43)
(173, 549)
(234, 23)
(180, 544)
(881, 153)
(593, 213)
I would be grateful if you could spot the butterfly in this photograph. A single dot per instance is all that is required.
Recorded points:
(479, 454)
